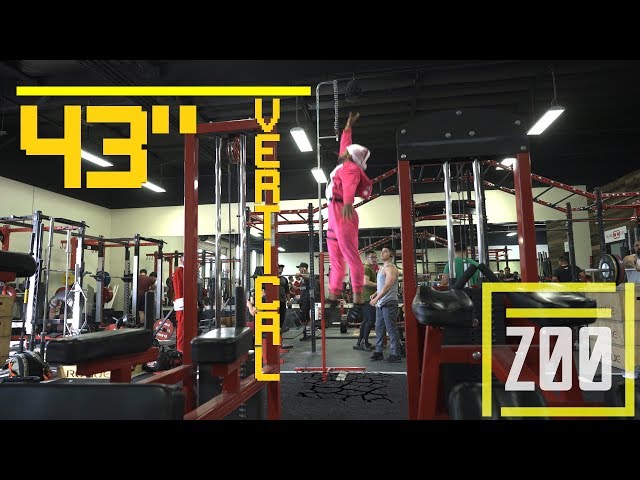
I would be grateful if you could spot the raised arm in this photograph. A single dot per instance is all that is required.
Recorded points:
(346, 138)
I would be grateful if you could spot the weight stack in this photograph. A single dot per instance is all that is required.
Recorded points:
(452, 374)
(210, 386)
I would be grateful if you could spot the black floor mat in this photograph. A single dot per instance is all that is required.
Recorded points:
(366, 396)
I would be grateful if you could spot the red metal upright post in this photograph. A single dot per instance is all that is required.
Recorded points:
(190, 242)
(274, 403)
(74, 248)
(6, 232)
(412, 329)
(526, 226)
(322, 317)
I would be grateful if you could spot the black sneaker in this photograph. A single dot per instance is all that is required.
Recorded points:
(369, 347)
(355, 313)
(393, 358)
(305, 338)
(331, 312)
(377, 356)
(361, 347)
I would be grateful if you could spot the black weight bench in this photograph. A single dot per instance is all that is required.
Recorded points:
(115, 351)
(223, 351)
(451, 311)
(90, 401)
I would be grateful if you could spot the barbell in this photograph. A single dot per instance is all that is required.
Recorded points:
(106, 277)
(610, 269)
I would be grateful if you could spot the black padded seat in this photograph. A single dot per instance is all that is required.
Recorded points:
(222, 345)
(98, 345)
(553, 300)
(90, 401)
(443, 308)
(465, 401)
(22, 264)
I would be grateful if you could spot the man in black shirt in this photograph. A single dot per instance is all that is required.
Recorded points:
(284, 298)
(305, 300)
(563, 274)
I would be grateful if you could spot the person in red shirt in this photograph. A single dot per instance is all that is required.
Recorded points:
(347, 181)
(177, 280)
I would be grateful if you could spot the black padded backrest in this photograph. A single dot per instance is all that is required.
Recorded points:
(553, 300)
(443, 308)
(90, 401)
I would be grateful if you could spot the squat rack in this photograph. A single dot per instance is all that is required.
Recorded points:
(99, 244)
(36, 225)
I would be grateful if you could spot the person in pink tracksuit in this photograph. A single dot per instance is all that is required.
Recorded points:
(347, 181)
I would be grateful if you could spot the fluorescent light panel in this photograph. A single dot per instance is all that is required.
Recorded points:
(547, 119)
(280, 249)
(154, 187)
(301, 139)
(90, 157)
(319, 175)
(512, 234)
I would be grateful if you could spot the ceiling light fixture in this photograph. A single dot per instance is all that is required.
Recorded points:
(154, 187)
(301, 139)
(512, 234)
(90, 157)
(550, 115)
(508, 162)
(300, 136)
(319, 175)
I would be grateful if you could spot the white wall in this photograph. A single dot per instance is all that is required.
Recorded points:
(167, 223)
(22, 199)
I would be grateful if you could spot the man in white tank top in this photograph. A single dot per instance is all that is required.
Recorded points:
(386, 302)
(632, 264)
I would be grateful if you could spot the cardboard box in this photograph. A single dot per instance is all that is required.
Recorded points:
(6, 306)
(617, 355)
(615, 301)
(617, 330)
(69, 371)
(4, 349)
(5, 326)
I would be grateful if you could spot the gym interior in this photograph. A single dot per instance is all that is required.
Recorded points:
(165, 248)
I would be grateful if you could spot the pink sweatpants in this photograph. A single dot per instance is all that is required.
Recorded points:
(342, 242)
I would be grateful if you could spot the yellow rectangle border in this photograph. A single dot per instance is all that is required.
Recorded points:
(163, 91)
(628, 410)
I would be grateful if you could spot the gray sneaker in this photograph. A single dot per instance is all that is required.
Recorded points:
(393, 358)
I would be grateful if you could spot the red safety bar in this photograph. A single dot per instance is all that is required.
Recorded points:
(322, 258)
(120, 366)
